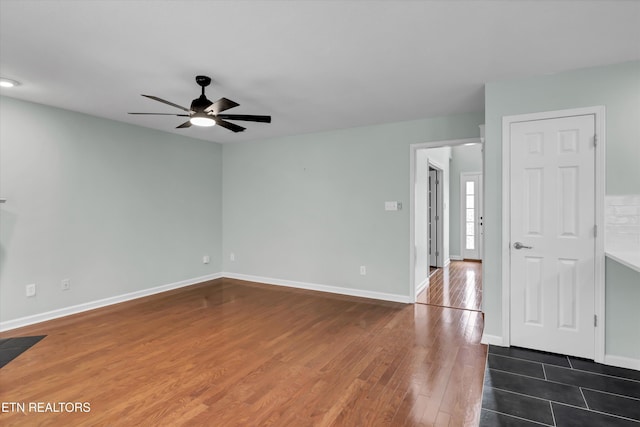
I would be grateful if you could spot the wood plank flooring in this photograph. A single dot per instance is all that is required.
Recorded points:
(233, 353)
(458, 285)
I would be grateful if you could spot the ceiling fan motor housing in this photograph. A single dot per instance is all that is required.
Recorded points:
(199, 104)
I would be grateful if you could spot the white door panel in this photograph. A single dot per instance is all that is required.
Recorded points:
(553, 212)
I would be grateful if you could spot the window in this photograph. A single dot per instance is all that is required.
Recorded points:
(470, 232)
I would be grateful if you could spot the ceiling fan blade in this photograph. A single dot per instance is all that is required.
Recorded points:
(221, 105)
(246, 117)
(161, 114)
(186, 124)
(231, 126)
(164, 101)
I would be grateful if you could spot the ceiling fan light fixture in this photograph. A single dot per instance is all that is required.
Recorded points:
(202, 119)
(8, 83)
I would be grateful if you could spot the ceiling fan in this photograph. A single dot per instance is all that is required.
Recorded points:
(206, 113)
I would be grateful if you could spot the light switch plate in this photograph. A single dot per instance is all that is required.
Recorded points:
(390, 206)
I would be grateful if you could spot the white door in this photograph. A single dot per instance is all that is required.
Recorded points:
(552, 235)
(433, 217)
(471, 214)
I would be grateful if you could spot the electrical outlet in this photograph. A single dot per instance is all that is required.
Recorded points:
(363, 270)
(206, 259)
(65, 284)
(31, 290)
(232, 256)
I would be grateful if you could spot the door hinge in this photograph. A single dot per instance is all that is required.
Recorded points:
(595, 320)
(437, 254)
(595, 230)
(437, 218)
(595, 139)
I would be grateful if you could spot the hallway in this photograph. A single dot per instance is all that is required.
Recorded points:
(458, 285)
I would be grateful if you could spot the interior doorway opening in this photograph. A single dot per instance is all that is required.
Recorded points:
(436, 220)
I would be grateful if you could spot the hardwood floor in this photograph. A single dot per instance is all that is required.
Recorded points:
(458, 285)
(233, 353)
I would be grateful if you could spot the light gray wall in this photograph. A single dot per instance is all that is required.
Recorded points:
(464, 158)
(310, 208)
(617, 87)
(113, 207)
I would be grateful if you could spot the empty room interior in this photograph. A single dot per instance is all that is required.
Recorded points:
(320, 213)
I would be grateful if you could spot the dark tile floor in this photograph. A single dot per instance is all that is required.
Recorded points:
(10, 348)
(531, 388)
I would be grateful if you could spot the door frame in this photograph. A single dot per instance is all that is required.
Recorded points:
(480, 209)
(413, 149)
(599, 309)
(439, 169)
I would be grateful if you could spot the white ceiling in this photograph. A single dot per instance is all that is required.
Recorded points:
(311, 65)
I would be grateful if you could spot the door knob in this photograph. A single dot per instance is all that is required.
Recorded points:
(518, 245)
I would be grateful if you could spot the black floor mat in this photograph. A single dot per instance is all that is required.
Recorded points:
(10, 348)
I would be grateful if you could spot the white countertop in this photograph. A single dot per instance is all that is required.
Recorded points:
(630, 259)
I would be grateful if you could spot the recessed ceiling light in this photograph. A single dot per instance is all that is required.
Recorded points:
(8, 82)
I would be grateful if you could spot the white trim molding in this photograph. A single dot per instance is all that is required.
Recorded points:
(91, 305)
(79, 308)
(492, 340)
(599, 114)
(622, 362)
(422, 286)
(406, 299)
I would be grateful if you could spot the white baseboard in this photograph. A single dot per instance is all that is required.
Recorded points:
(322, 288)
(619, 361)
(492, 339)
(455, 258)
(447, 262)
(622, 362)
(422, 286)
(74, 309)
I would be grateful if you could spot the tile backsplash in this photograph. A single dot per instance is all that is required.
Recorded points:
(622, 223)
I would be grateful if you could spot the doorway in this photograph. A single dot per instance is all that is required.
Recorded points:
(472, 230)
(435, 225)
(435, 216)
